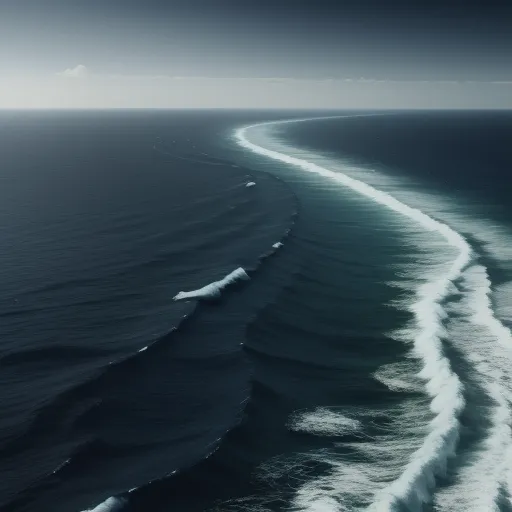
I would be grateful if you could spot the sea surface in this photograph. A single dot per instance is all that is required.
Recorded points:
(229, 311)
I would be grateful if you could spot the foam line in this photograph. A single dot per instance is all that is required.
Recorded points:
(415, 483)
(487, 343)
(500, 441)
(214, 290)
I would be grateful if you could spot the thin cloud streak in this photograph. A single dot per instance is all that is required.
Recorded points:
(79, 71)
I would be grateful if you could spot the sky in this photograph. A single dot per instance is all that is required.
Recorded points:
(255, 54)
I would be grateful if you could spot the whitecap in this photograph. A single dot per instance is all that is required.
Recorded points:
(111, 504)
(214, 290)
(323, 422)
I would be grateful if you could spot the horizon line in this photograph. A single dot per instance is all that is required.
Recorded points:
(261, 109)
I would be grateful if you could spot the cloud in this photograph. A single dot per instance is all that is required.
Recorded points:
(79, 71)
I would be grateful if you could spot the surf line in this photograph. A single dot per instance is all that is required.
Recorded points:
(417, 480)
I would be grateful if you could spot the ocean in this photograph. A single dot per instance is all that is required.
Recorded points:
(253, 311)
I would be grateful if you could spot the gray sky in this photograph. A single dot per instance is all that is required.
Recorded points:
(288, 54)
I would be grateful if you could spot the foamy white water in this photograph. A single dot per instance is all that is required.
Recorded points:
(109, 505)
(324, 422)
(487, 344)
(415, 483)
(213, 290)
(399, 377)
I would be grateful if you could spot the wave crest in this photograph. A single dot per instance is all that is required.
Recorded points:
(109, 505)
(214, 290)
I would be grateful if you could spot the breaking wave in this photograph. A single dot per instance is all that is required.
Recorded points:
(109, 505)
(416, 481)
(214, 290)
(480, 484)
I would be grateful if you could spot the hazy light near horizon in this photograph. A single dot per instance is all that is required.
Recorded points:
(80, 87)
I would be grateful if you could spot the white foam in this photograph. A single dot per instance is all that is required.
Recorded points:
(399, 377)
(417, 479)
(487, 343)
(277, 245)
(503, 302)
(250, 184)
(110, 505)
(213, 290)
(323, 422)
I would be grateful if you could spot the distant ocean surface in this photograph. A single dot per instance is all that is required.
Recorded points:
(226, 311)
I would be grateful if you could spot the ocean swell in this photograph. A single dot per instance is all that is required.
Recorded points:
(209, 292)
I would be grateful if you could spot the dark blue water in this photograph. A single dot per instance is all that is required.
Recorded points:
(465, 153)
(261, 391)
